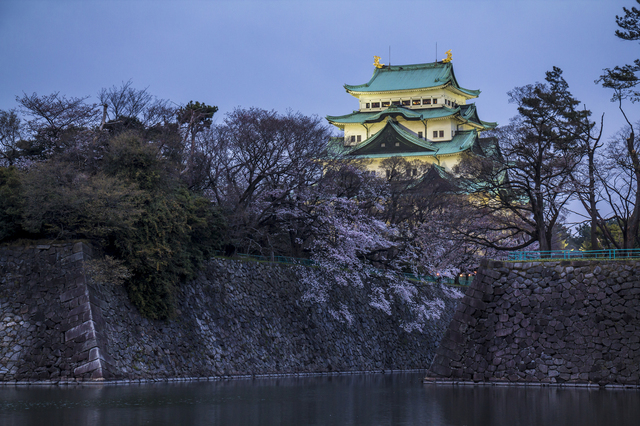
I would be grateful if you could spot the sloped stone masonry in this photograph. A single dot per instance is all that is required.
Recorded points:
(236, 318)
(48, 330)
(547, 322)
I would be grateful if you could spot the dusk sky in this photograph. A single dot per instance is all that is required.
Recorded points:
(298, 54)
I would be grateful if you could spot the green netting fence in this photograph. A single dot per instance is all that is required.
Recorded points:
(464, 280)
(575, 254)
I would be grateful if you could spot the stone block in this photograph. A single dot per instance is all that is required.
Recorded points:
(456, 337)
(108, 359)
(521, 333)
(477, 304)
(439, 370)
(462, 317)
(84, 307)
(72, 258)
(98, 374)
(94, 353)
(87, 345)
(71, 294)
(503, 332)
(475, 293)
(80, 330)
(448, 344)
(87, 368)
(96, 300)
(492, 273)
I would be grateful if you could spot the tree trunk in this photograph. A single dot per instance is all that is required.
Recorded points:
(593, 212)
(104, 116)
(634, 219)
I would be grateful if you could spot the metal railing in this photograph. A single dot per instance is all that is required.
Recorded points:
(277, 259)
(464, 280)
(575, 254)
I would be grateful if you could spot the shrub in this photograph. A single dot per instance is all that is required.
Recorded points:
(10, 202)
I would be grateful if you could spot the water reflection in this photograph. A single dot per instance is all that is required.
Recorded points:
(392, 399)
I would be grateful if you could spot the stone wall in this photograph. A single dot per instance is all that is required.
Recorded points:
(48, 329)
(236, 318)
(553, 322)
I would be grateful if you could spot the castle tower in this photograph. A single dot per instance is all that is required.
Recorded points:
(418, 112)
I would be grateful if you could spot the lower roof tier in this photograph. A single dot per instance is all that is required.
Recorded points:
(396, 140)
(463, 113)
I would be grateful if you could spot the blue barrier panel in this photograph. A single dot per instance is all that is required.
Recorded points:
(465, 281)
(613, 254)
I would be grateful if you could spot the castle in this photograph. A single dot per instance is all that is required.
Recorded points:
(418, 112)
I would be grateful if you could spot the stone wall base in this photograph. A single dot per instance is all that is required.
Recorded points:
(569, 322)
(236, 319)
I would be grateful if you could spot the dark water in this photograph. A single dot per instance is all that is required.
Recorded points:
(392, 399)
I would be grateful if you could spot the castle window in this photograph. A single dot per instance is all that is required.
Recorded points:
(375, 105)
(435, 133)
(382, 145)
(442, 133)
(416, 102)
(397, 143)
(435, 101)
(353, 138)
(359, 138)
(386, 104)
(368, 106)
(406, 103)
(396, 103)
(414, 172)
(420, 135)
(426, 102)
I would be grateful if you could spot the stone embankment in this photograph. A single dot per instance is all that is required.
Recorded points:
(547, 322)
(237, 318)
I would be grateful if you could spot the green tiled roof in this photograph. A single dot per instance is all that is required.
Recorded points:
(465, 112)
(408, 114)
(411, 77)
(469, 112)
(402, 132)
(419, 147)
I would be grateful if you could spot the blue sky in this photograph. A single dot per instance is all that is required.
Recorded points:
(297, 54)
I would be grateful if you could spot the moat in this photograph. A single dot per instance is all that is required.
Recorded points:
(371, 399)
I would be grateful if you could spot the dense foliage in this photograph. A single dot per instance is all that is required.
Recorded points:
(116, 183)
(161, 188)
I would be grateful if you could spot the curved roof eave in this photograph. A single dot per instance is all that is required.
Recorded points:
(398, 78)
(406, 113)
(469, 113)
(360, 117)
(468, 93)
(410, 137)
(489, 124)
(400, 131)
(462, 142)
(379, 92)
(462, 90)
